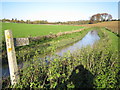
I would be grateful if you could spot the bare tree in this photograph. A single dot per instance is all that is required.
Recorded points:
(100, 17)
(109, 17)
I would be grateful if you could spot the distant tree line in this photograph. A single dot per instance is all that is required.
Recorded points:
(79, 22)
(27, 21)
(44, 21)
(93, 19)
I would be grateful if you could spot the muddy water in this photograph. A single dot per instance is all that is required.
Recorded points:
(89, 39)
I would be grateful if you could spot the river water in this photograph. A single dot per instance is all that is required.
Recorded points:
(90, 38)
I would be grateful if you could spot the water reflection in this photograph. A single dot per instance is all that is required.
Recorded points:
(90, 38)
(5, 69)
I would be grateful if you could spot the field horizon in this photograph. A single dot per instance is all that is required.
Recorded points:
(60, 45)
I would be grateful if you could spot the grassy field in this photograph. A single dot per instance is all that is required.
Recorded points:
(112, 25)
(96, 67)
(43, 46)
(25, 30)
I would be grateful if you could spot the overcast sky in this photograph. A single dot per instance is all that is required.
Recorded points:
(57, 11)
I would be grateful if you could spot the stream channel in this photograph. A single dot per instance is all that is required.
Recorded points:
(89, 39)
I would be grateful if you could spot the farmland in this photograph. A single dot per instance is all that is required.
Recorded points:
(26, 30)
(112, 25)
(60, 45)
(100, 64)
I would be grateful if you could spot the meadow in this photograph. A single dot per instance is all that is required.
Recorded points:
(26, 30)
(96, 67)
(21, 30)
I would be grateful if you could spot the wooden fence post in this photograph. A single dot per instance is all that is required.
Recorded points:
(14, 75)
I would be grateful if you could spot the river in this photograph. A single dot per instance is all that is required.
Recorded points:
(90, 38)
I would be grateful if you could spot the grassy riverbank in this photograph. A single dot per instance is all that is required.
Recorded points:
(96, 67)
(44, 46)
(32, 30)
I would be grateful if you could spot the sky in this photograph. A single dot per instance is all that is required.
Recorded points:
(57, 11)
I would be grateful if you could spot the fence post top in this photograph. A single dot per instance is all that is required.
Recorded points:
(7, 30)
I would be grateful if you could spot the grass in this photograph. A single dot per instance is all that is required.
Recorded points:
(96, 67)
(114, 39)
(25, 30)
(43, 46)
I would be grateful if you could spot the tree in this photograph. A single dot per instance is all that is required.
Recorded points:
(22, 21)
(16, 20)
(28, 21)
(109, 17)
(100, 17)
(3, 20)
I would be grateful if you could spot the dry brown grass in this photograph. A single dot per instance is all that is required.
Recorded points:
(111, 25)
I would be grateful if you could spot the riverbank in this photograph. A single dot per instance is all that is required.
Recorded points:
(39, 44)
(47, 47)
(99, 65)
(43, 47)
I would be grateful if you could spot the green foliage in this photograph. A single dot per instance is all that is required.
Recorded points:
(45, 47)
(90, 67)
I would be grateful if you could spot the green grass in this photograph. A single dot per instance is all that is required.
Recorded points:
(25, 30)
(44, 46)
(99, 66)
(113, 39)
(88, 67)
